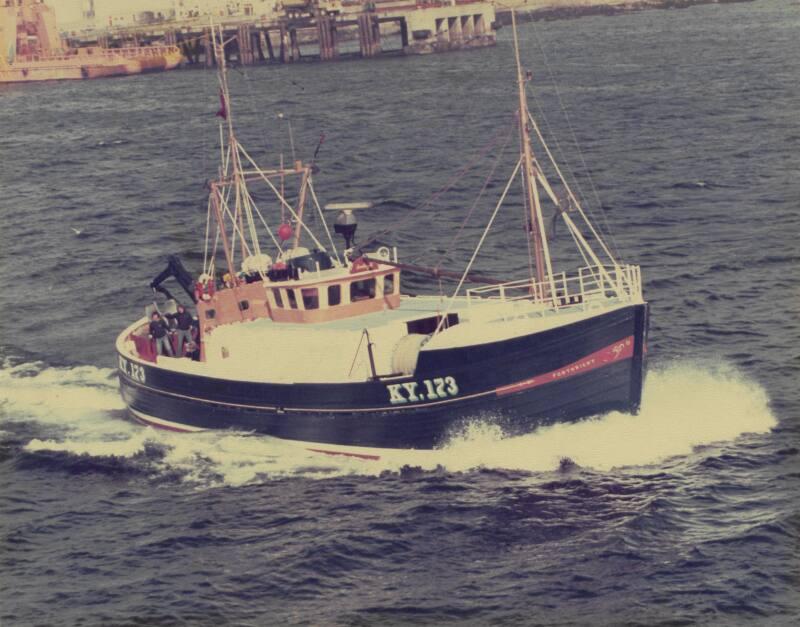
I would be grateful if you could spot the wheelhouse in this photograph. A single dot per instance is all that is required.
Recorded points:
(313, 297)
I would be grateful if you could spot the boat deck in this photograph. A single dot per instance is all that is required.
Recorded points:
(336, 351)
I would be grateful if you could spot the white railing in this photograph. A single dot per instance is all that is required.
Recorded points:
(82, 54)
(587, 285)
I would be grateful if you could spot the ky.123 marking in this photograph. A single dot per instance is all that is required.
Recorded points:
(414, 392)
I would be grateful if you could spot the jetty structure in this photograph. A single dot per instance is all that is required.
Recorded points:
(31, 49)
(297, 30)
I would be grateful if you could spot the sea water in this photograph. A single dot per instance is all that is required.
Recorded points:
(687, 124)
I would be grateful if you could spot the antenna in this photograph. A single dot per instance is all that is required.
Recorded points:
(346, 222)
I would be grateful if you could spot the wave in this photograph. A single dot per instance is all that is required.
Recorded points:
(103, 143)
(685, 405)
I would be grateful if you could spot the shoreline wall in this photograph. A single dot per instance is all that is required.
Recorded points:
(535, 10)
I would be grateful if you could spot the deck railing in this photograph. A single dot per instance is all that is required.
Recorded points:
(97, 52)
(587, 285)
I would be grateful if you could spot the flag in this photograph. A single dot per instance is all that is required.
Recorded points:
(319, 145)
(223, 110)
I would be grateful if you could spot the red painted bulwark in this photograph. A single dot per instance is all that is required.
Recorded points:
(145, 347)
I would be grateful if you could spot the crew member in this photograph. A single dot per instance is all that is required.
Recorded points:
(159, 331)
(183, 332)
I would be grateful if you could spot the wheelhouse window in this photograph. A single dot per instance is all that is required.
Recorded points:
(362, 290)
(292, 299)
(276, 293)
(310, 297)
(388, 284)
(334, 295)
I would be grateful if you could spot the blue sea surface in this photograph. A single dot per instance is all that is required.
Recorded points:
(688, 124)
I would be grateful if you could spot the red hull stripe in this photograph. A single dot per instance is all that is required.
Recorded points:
(169, 427)
(345, 453)
(610, 354)
(173, 427)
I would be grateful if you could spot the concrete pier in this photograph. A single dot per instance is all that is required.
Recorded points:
(439, 29)
(422, 27)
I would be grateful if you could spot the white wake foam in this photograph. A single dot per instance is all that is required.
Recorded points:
(684, 406)
(58, 396)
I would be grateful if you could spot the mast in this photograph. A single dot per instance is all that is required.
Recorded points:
(233, 152)
(543, 265)
(221, 226)
(222, 76)
(241, 198)
(301, 205)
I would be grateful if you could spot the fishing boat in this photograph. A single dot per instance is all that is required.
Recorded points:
(319, 345)
(31, 50)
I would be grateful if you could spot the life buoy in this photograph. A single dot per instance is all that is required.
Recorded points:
(362, 264)
(204, 288)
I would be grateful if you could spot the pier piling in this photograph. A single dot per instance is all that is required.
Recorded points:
(284, 38)
(267, 43)
(326, 33)
(294, 45)
(208, 49)
(369, 35)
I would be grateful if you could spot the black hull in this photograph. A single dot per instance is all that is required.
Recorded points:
(563, 374)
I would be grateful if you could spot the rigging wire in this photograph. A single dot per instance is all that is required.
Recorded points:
(282, 199)
(358, 349)
(578, 205)
(263, 221)
(478, 247)
(244, 194)
(608, 231)
(322, 219)
(459, 174)
(584, 200)
(526, 228)
(236, 231)
(208, 231)
(214, 253)
(291, 138)
(526, 217)
(486, 182)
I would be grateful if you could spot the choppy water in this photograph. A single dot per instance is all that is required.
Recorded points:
(685, 514)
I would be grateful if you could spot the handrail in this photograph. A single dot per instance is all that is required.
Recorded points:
(93, 53)
(624, 283)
